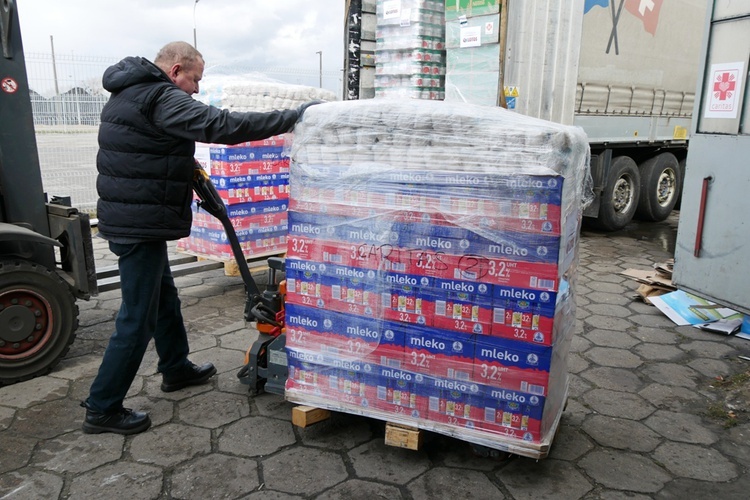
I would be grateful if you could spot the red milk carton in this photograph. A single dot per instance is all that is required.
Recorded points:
(438, 353)
(512, 365)
(454, 402)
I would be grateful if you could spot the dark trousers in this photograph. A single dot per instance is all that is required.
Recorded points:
(150, 309)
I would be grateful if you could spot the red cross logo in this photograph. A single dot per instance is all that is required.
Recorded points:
(724, 86)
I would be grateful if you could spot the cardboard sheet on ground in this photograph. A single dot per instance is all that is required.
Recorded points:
(687, 309)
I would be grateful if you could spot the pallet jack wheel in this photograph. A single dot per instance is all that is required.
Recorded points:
(487, 452)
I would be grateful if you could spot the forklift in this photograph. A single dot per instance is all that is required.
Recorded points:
(46, 252)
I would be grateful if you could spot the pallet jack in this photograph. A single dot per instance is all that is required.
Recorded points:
(265, 368)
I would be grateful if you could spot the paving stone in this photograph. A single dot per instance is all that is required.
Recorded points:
(15, 451)
(444, 482)
(30, 484)
(170, 444)
(695, 462)
(615, 358)
(579, 343)
(651, 321)
(34, 391)
(228, 382)
(578, 386)
(270, 495)
(202, 291)
(375, 460)
(610, 338)
(357, 488)
(160, 411)
(713, 350)
(569, 444)
(256, 436)
(639, 307)
(77, 452)
(458, 454)
(272, 405)
(618, 404)
(609, 276)
(6, 417)
(75, 368)
(577, 363)
(609, 310)
(152, 389)
(198, 478)
(574, 415)
(616, 379)
(239, 340)
(608, 323)
(225, 360)
(548, 478)
(608, 298)
(680, 489)
(605, 494)
(659, 352)
(654, 335)
(621, 433)
(119, 480)
(681, 427)
(624, 471)
(303, 471)
(200, 341)
(97, 317)
(213, 409)
(48, 420)
(669, 398)
(738, 443)
(608, 288)
(711, 368)
(671, 374)
(340, 432)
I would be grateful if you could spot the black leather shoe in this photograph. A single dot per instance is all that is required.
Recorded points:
(123, 421)
(190, 374)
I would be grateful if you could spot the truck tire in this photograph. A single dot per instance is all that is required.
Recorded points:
(620, 195)
(38, 320)
(660, 186)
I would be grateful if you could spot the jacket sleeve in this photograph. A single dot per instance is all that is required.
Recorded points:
(180, 115)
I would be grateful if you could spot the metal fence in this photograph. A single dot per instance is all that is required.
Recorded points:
(67, 99)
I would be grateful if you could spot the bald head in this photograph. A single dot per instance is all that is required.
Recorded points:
(177, 52)
(183, 64)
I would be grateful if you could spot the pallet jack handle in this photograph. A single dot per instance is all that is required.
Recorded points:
(211, 202)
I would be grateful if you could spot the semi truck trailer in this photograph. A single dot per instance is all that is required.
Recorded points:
(623, 70)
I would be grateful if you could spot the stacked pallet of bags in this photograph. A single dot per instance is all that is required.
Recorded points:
(432, 265)
(410, 49)
(252, 178)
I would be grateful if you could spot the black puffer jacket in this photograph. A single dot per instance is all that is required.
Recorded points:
(146, 147)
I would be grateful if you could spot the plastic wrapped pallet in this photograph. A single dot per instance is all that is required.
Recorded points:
(431, 266)
(410, 49)
(252, 178)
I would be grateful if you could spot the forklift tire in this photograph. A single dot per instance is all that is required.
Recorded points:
(661, 178)
(620, 195)
(38, 320)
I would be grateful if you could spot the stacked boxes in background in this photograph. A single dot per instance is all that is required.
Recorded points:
(252, 178)
(472, 31)
(410, 49)
(431, 265)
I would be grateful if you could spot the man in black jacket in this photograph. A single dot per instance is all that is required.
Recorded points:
(145, 161)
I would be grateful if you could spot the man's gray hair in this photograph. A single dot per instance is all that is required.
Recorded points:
(177, 52)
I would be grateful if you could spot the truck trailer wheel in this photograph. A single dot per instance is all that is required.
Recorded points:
(660, 186)
(38, 320)
(620, 195)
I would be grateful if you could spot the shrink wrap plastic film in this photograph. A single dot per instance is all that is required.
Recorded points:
(229, 88)
(431, 266)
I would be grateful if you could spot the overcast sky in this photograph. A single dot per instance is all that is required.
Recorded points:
(252, 33)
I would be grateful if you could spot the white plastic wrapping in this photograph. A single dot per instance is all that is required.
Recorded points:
(431, 266)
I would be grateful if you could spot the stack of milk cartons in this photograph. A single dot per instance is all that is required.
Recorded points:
(472, 32)
(410, 49)
(252, 178)
(431, 265)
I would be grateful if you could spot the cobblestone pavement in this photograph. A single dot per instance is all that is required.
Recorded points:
(642, 421)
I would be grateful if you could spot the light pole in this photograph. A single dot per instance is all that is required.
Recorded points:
(195, 34)
(320, 71)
